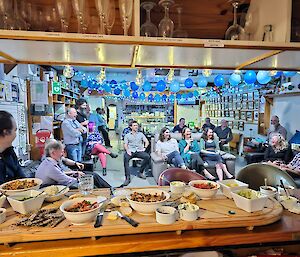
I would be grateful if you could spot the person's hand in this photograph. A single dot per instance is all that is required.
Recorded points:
(223, 140)
(80, 173)
(85, 123)
(128, 152)
(79, 165)
(164, 157)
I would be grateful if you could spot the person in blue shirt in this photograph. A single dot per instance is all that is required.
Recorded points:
(10, 168)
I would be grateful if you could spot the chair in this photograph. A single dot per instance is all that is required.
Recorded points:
(255, 174)
(234, 143)
(173, 174)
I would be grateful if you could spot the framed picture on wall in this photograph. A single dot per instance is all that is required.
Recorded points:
(245, 97)
(255, 95)
(241, 125)
(235, 125)
(237, 115)
(244, 105)
(230, 106)
(249, 116)
(230, 98)
(239, 97)
(231, 114)
(250, 96)
(250, 105)
(230, 124)
(238, 105)
(243, 115)
(226, 113)
(256, 104)
(255, 116)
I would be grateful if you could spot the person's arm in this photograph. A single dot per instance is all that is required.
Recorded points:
(146, 141)
(288, 156)
(70, 162)
(229, 136)
(182, 146)
(158, 150)
(126, 142)
(216, 140)
(59, 176)
(284, 133)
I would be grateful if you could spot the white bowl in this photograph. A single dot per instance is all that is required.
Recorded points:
(229, 185)
(2, 200)
(268, 191)
(12, 192)
(147, 208)
(177, 187)
(249, 205)
(288, 202)
(166, 215)
(204, 193)
(80, 218)
(2, 215)
(29, 205)
(54, 198)
(188, 211)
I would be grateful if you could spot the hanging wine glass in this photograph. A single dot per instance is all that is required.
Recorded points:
(51, 18)
(5, 13)
(110, 16)
(166, 25)
(148, 29)
(125, 7)
(101, 10)
(80, 8)
(63, 9)
(179, 31)
(235, 31)
(25, 10)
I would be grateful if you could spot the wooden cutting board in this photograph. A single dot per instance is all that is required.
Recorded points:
(214, 213)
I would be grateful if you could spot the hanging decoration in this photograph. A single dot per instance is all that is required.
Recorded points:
(100, 78)
(157, 98)
(263, 77)
(235, 79)
(188, 83)
(206, 73)
(150, 98)
(196, 94)
(117, 91)
(164, 98)
(171, 98)
(147, 86)
(142, 96)
(135, 95)
(289, 73)
(68, 71)
(178, 96)
(219, 80)
(202, 82)
(84, 83)
(161, 86)
(175, 86)
(107, 88)
(170, 76)
(126, 93)
(134, 86)
(250, 77)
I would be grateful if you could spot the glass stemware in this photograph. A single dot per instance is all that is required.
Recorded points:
(110, 16)
(101, 6)
(63, 9)
(80, 8)
(25, 10)
(125, 7)
(180, 32)
(166, 25)
(6, 12)
(148, 29)
(235, 31)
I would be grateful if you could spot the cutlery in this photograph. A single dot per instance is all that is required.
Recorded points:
(99, 218)
(281, 182)
(129, 220)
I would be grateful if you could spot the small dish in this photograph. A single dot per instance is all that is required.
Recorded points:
(268, 191)
(229, 185)
(188, 211)
(177, 187)
(166, 215)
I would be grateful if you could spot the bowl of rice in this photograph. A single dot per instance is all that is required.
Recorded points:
(55, 192)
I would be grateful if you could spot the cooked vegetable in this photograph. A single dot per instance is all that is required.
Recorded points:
(249, 194)
(20, 184)
(207, 185)
(82, 206)
(142, 197)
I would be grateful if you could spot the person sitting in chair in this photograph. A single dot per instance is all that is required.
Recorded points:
(135, 144)
(276, 128)
(207, 124)
(179, 127)
(224, 134)
(167, 148)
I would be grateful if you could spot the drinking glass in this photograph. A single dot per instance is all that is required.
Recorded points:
(64, 12)
(166, 25)
(86, 184)
(80, 8)
(101, 6)
(110, 15)
(235, 31)
(125, 7)
(148, 29)
(5, 13)
(179, 32)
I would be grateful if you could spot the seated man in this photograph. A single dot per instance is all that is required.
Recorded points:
(127, 130)
(53, 173)
(276, 128)
(224, 133)
(179, 127)
(293, 167)
(207, 124)
(135, 144)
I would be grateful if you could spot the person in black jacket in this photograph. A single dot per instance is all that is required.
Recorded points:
(10, 168)
(81, 107)
(278, 150)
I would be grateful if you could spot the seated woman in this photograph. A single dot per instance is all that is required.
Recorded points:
(51, 171)
(190, 152)
(293, 167)
(210, 151)
(95, 147)
(278, 150)
(167, 148)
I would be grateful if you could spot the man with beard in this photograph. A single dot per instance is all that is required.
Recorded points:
(81, 107)
(276, 128)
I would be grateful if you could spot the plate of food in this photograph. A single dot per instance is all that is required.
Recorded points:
(20, 185)
(55, 192)
(205, 189)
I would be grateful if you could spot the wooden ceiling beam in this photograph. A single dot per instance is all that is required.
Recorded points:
(7, 57)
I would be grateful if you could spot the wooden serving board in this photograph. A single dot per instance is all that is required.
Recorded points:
(214, 213)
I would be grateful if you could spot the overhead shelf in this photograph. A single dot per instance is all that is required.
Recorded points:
(141, 52)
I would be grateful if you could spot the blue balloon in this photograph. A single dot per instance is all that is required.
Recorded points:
(278, 74)
(250, 77)
(178, 96)
(235, 79)
(175, 86)
(142, 96)
(289, 73)
(190, 95)
(84, 83)
(126, 93)
(164, 98)
(147, 86)
(263, 77)
(188, 83)
(196, 94)
(134, 86)
(90, 84)
(219, 80)
(161, 86)
(107, 88)
(150, 97)
(113, 82)
(202, 82)
(117, 91)
(157, 98)
(135, 95)
(172, 98)
(124, 85)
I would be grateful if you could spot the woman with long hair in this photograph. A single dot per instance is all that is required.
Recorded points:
(278, 150)
(167, 148)
(210, 151)
(190, 152)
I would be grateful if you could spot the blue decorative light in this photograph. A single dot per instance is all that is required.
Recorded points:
(107, 88)
(202, 82)
(219, 80)
(235, 79)
(175, 86)
(134, 86)
(157, 98)
(250, 77)
(188, 83)
(196, 94)
(263, 77)
(190, 94)
(172, 98)
(161, 86)
(142, 96)
(147, 86)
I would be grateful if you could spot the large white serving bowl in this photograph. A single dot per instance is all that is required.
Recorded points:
(81, 218)
(249, 205)
(54, 198)
(229, 185)
(147, 208)
(2, 200)
(204, 193)
(29, 205)
(12, 192)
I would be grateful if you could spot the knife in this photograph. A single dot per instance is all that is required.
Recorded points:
(99, 218)
(129, 220)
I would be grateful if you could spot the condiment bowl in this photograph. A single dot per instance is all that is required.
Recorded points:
(7, 192)
(229, 185)
(188, 211)
(27, 201)
(177, 187)
(268, 191)
(204, 193)
(147, 208)
(166, 215)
